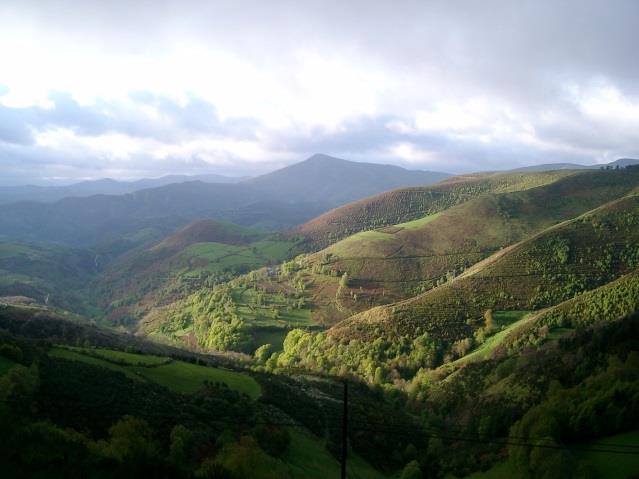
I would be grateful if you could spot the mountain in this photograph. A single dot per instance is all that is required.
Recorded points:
(336, 181)
(273, 201)
(409, 204)
(555, 166)
(485, 326)
(106, 186)
(397, 262)
(555, 265)
(621, 163)
(624, 163)
(415, 255)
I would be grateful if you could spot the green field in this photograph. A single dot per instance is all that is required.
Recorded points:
(381, 234)
(178, 376)
(307, 458)
(131, 358)
(613, 466)
(188, 378)
(5, 365)
(262, 315)
(416, 224)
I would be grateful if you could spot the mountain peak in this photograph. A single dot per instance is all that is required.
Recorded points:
(321, 157)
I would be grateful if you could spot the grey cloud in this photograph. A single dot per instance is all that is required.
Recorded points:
(523, 53)
(196, 117)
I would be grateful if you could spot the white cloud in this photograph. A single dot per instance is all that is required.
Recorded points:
(432, 81)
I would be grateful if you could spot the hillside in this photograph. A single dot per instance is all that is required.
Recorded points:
(106, 186)
(374, 268)
(92, 395)
(409, 204)
(200, 254)
(555, 265)
(46, 273)
(620, 163)
(277, 200)
(411, 257)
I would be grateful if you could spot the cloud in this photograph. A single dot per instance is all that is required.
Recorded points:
(241, 85)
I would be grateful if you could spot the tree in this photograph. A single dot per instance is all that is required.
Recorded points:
(12, 352)
(263, 353)
(181, 448)
(412, 470)
(131, 441)
(489, 322)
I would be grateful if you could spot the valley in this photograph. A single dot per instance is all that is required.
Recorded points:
(467, 318)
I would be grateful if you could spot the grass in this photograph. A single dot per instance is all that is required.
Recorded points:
(613, 466)
(362, 241)
(188, 378)
(261, 316)
(508, 320)
(307, 458)
(131, 358)
(416, 224)
(5, 365)
(77, 356)
(608, 465)
(177, 376)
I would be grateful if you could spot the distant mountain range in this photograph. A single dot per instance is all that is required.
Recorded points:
(621, 163)
(105, 186)
(280, 199)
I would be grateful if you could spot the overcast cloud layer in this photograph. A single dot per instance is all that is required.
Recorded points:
(130, 89)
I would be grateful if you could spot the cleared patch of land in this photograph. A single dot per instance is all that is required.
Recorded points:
(178, 376)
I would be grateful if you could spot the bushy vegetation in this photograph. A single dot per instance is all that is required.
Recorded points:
(409, 204)
(201, 255)
(410, 258)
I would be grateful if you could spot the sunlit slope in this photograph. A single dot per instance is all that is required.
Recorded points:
(556, 265)
(408, 204)
(608, 303)
(414, 256)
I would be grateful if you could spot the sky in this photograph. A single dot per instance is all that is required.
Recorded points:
(130, 89)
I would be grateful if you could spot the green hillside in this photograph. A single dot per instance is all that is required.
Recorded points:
(409, 204)
(555, 265)
(408, 258)
(396, 341)
(177, 376)
(201, 254)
